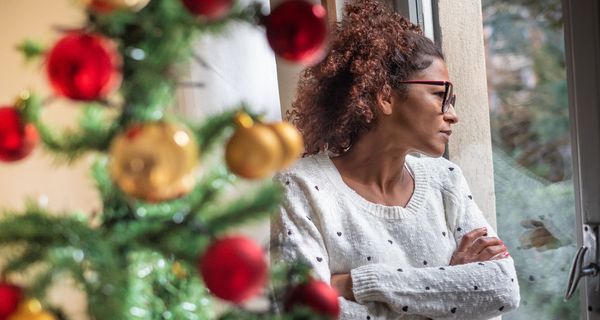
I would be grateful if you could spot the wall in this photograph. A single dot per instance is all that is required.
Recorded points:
(470, 146)
(37, 177)
(229, 77)
(471, 143)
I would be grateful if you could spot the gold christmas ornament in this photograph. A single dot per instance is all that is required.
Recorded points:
(31, 309)
(291, 142)
(154, 161)
(106, 6)
(254, 150)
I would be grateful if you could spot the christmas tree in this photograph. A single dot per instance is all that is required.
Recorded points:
(160, 247)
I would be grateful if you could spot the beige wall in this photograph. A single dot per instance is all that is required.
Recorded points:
(64, 188)
(288, 75)
(471, 144)
(461, 29)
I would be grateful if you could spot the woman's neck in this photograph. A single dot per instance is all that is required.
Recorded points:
(374, 162)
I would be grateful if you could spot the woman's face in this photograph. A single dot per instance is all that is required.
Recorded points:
(417, 121)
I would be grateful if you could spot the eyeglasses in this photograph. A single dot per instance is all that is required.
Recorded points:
(449, 96)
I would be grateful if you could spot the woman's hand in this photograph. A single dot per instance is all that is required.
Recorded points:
(342, 282)
(477, 246)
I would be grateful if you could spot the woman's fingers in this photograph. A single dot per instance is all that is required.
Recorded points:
(477, 246)
(469, 237)
(342, 283)
(501, 255)
(483, 243)
(491, 252)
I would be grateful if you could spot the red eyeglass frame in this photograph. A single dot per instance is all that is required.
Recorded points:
(449, 96)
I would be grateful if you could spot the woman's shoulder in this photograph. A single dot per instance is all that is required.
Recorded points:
(439, 170)
(307, 167)
(433, 163)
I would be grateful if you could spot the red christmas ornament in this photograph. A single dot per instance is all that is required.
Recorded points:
(211, 9)
(84, 67)
(17, 139)
(317, 295)
(234, 268)
(297, 31)
(10, 297)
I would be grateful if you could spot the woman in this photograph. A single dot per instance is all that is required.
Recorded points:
(399, 236)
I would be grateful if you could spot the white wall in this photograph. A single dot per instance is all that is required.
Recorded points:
(241, 69)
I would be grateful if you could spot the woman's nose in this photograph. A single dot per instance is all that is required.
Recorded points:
(450, 115)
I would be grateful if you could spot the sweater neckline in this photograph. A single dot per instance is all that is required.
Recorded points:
(383, 211)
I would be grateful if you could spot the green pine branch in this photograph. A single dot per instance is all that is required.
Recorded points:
(64, 244)
(250, 207)
(23, 260)
(115, 204)
(297, 313)
(211, 131)
(31, 50)
(157, 292)
(94, 132)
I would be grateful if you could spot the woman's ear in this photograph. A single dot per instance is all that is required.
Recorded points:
(384, 100)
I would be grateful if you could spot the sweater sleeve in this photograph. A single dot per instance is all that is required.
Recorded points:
(478, 290)
(296, 237)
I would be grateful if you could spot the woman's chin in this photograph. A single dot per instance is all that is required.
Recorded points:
(435, 152)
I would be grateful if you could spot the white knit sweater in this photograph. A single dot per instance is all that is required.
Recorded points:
(398, 257)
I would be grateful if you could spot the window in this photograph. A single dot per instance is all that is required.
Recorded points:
(533, 176)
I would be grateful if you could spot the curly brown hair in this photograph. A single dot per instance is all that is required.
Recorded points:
(371, 51)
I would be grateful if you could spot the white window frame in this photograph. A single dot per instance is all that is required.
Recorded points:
(582, 48)
(419, 12)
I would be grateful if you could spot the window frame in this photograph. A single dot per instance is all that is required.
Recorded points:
(582, 55)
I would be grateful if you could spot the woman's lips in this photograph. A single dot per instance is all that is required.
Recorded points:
(446, 134)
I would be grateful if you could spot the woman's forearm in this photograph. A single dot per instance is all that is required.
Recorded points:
(469, 291)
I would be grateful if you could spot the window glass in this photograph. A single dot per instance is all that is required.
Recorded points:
(525, 59)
